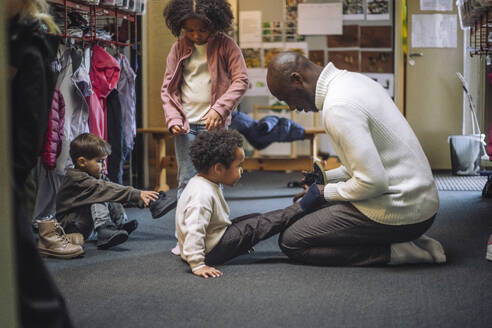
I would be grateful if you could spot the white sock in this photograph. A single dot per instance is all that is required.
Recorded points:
(433, 247)
(421, 250)
(409, 253)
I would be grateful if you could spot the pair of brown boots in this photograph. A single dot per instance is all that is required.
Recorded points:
(54, 242)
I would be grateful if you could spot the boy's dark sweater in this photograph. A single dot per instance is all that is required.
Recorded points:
(80, 190)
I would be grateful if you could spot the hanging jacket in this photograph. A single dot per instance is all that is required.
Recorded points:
(54, 135)
(126, 90)
(228, 74)
(104, 73)
(31, 52)
(260, 134)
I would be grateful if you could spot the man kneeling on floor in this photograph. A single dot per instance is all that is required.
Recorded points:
(87, 201)
(375, 208)
(206, 235)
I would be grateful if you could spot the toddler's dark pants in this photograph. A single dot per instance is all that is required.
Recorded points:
(340, 235)
(246, 231)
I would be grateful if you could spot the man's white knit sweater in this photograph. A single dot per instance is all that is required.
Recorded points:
(385, 173)
(202, 217)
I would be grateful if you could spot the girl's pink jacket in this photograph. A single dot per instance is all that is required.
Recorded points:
(228, 74)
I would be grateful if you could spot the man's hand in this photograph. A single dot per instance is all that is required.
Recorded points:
(212, 119)
(207, 271)
(177, 130)
(146, 196)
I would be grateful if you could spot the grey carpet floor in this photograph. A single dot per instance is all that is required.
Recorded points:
(141, 284)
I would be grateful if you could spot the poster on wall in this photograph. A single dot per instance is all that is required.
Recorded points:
(353, 10)
(250, 26)
(317, 57)
(348, 60)
(434, 31)
(386, 81)
(349, 38)
(378, 10)
(272, 31)
(270, 50)
(437, 5)
(252, 55)
(257, 82)
(320, 18)
(377, 61)
(291, 33)
(376, 36)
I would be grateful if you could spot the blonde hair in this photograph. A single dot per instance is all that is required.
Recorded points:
(39, 10)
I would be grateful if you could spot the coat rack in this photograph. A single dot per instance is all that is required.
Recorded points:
(94, 12)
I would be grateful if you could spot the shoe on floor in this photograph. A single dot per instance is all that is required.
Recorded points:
(489, 249)
(110, 236)
(129, 226)
(165, 203)
(75, 238)
(53, 241)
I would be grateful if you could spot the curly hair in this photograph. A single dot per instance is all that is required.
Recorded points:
(88, 145)
(217, 14)
(215, 146)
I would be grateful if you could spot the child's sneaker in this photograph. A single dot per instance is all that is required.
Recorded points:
(489, 249)
(165, 203)
(312, 200)
(109, 236)
(319, 173)
(317, 176)
(129, 226)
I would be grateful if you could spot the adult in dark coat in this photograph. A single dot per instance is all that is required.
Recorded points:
(32, 81)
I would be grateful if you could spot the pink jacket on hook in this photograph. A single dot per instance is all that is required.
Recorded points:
(104, 74)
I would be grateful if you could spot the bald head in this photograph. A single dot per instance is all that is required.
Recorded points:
(292, 78)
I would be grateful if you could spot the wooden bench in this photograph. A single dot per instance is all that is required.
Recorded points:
(160, 135)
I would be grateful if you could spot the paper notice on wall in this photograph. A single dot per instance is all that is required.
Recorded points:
(250, 26)
(257, 82)
(437, 5)
(434, 31)
(320, 18)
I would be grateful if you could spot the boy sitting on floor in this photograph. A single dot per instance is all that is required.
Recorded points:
(88, 201)
(206, 235)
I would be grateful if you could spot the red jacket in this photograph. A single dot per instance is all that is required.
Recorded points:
(54, 135)
(104, 73)
(228, 74)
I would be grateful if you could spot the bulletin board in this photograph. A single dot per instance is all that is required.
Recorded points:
(364, 44)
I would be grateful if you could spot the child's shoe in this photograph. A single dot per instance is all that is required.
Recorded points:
(75, 238)
(129, 226)
(165, 203)
(318, 175)
(109, 236)
(489, 249)
(53, 241)
(312, 200)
